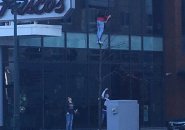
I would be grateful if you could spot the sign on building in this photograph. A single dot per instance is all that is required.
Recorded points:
(35, 9)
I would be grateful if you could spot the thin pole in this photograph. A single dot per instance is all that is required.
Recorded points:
(100, 89)
(16, 115)
(100, 122)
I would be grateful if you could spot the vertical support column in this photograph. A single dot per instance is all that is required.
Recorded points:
(16, 114)
(174, 60)
(1, 89)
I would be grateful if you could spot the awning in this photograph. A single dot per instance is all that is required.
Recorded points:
(31, 29)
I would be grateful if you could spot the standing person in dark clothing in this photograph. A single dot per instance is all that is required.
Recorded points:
(70, 113)
(105, 98)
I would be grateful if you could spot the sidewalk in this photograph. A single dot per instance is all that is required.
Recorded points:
(154, 128)
(146, 128)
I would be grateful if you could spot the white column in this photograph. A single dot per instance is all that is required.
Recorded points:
(1, 88)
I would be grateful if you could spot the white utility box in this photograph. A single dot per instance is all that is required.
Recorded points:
(122, 115)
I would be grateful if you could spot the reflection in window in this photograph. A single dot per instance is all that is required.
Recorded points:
(183, 16)
(148, 6)
(93, 41)
(54, 54)
(149, 16)
(30, 41)
(149, 20)
(10, 54)
(54, 41)
(119, 42)
(93, 14)
(8, 75)
(153, 43)
(135, 43)
(76, 40)
(125, 19)
(30, 54)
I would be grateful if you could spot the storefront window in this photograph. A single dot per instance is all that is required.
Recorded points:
(148, 7)
(153, 44)
(54, 41)
(30, 41)
(93, 41)
(149, 16)
(65, 67)
(119, 42)
(135, 43)
(76, 40)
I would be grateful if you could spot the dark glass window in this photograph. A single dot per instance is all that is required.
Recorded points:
(125, 19)
(51, 69)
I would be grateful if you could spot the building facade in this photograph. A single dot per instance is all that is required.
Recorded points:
(51, 68)
(174, 59)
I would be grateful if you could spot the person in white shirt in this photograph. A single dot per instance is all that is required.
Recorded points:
(105, 98)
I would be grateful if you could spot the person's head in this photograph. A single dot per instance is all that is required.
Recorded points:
(106, 95)
(69, 99)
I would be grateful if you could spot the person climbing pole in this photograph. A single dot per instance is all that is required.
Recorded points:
(101, 20)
